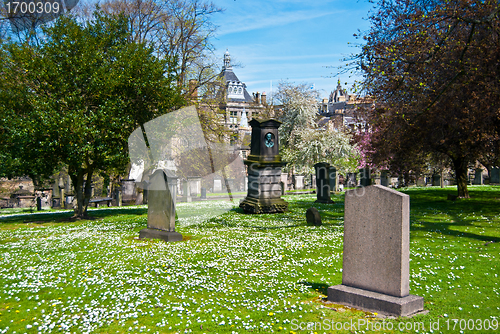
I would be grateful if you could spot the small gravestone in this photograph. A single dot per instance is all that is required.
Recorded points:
(217, 185)
(203, 193)
(365, 177)
(376, 257)
(323, 183)
(186, 194)
(162, 193)
(495, 175)
(351, 180)
(299, 181)
(436, 180)
(384, 178)
(334, 179)
(312, 217)
(478, 178)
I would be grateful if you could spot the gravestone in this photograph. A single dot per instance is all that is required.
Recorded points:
(351, 180)
(203, 193)
(217, 185)
(421, 181)
(364, 177)
(128, 190)
(478, 178)
(194, 186)
(495, 175)
(313, 217)
(186, 194)
(264, 169)
(334, 179)
(299, 181)
(323, 183)
(376, 257)
(162, 193)
(436, 180)
(284, 179)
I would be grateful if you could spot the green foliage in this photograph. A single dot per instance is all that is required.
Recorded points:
(302, 143)
(80, 94)
(432, 67)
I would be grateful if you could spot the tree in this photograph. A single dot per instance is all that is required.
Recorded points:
(81, 93)
(432, 67)
(302, 143)
(177, 29)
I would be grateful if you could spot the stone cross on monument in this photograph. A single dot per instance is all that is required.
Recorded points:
(376, 264)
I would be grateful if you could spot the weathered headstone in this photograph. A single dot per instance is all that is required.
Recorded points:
(478, 178)
(421, 181)
(376, 258)
(334, 179)
(162, 194)
(264, 169)
(351, 180)
(194, 186)
(323, 182)
(217, 185)
(365, 177)
(313, 217)
(203, 193)
(299, 181)
(436, 180)
(495, 175)
(186, 194)
(128, 190)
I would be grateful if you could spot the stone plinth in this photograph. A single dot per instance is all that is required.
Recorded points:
(376, 253)
(264, 191)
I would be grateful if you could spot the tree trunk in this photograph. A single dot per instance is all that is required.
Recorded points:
(82, 193)
(460, 165)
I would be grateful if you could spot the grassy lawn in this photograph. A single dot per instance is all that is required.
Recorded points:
(239, 273)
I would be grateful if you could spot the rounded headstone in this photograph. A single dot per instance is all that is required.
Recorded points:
(312, 217)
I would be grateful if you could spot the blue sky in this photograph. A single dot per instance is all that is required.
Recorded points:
(289, 40)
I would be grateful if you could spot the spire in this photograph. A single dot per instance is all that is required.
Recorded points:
(227, 61)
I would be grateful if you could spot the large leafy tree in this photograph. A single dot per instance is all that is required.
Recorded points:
(75, 98)
(433, 67)
(302, 143)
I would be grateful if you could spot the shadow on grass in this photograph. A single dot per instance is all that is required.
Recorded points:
(65, 216)
(320, 287)
(429, 205)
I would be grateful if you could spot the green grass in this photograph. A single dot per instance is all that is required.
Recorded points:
(235, 272)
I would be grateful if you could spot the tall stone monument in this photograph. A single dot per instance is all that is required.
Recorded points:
(264, 169)
(376, 264)
(323, 183)
(162, 193)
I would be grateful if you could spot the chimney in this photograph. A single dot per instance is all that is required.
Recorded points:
(193, 89)
(257, 98)
(264, 98)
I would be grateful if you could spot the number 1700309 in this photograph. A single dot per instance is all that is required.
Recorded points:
(32, 7)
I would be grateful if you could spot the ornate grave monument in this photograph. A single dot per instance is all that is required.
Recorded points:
(264, 169)
(376, 263)
(162, 194)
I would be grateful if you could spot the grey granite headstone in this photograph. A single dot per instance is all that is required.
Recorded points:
(376, 263)
(161, 207)
(313, 217)
(203, 193)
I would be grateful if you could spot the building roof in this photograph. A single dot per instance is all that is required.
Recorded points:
(235, 89)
